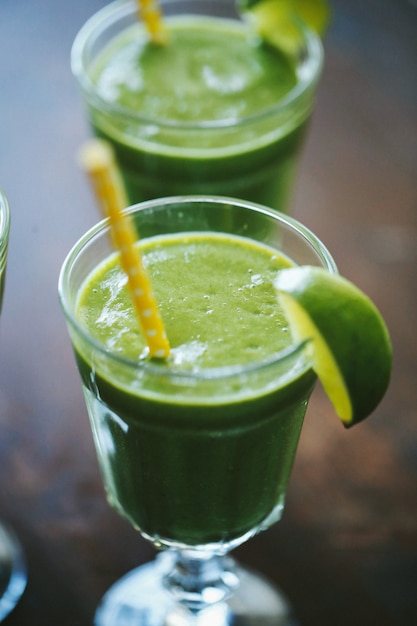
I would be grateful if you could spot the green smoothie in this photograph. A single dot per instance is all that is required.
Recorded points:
(214, 111)
(189, 453)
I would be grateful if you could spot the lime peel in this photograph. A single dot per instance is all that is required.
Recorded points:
(349, 342)
(276, 21)
(316, 13)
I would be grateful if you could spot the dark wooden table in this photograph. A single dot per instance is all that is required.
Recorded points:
(346, 549)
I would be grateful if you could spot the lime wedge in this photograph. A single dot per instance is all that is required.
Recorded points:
(350, 346)
(276, 21)
(315, 13)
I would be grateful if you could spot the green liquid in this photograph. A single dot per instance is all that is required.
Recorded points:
(217, 79)
(205, 462)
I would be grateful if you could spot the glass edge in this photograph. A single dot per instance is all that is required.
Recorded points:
(152, 367)
(4, 217)
(127, 7)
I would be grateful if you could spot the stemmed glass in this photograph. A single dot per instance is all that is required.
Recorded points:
(12, 564)
(197, 461)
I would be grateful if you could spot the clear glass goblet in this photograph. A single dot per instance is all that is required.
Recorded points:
(198, 461)
(12, 563)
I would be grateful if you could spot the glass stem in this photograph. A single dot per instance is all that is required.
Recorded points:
(199, 581)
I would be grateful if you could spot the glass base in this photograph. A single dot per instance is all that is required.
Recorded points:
(12, 571)
(140, 598)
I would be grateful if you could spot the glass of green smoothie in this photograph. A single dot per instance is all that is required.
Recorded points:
(12, 564)
(195, 450)
(215, 110)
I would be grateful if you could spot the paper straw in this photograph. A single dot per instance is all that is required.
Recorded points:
(151, 14)
(97, 160)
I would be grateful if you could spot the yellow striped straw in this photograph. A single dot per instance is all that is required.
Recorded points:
(98, 161)
(151, 14)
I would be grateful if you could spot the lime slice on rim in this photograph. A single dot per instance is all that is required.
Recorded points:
(315, 13)
(349, 342)
(276, 21)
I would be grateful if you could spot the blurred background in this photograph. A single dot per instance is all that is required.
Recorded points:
(346, 549)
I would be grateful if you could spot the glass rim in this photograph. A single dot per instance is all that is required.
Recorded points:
(119, 9)
(152, 367)
(4, 218)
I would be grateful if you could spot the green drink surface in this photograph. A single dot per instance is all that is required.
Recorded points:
(210, 70)
(209, 112)
(216, 299)
(186, 467)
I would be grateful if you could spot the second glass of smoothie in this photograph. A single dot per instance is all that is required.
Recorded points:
(215, 110)
(195, 450)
